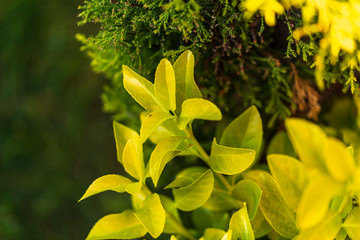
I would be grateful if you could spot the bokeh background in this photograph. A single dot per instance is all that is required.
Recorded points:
(54, 137)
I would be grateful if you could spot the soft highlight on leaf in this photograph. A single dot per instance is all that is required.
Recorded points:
(185, 83)
(133, 159)
(197, 108)
(339, 161)
(141, 90)
(111, 182)
(229, 160)
(152, 215)
(117, 226)
(165, 85)
(314, 203)
(325, 230)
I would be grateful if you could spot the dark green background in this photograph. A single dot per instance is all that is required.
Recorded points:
(54, 138)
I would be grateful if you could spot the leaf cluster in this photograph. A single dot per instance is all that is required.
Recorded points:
(229, 195)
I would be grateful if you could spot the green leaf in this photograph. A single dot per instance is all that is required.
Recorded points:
(152, 215)
(151, 122)
(203, 218)
(213, 234)
(326, 230)
(141, 90)
(195, 194)
(122, 135)
(352, 223)
(184, 75)
(308, 140)
(165, 85)
(163, 153)
(133, 159)
(117, 226)
(240, 225)
(280, 144)
(274, 208)
(291, 177)
(230, 161)
(245, 131)
(197, 108)
(339, 161)
(341, 235)
(259, 224)
(111, 182)
(249, 192)
(133, 188)
(187, 176)
(172, 220)
(314, 203)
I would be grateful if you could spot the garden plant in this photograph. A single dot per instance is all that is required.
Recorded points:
(238, 175)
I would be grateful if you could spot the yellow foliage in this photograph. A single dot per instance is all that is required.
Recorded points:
(338, 21)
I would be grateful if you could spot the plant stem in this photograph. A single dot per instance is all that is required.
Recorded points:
(204, 156)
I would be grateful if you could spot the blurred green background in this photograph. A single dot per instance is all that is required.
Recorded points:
(54, 138)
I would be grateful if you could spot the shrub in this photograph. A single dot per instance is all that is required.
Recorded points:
(229, 194)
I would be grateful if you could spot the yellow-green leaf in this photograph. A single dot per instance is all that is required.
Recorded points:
(173, 237)
(245, 131)
(259, 224)
(339, 161)
(184, 75)
(291, 177)
(117, 226)
(163, 153)
(152, 215)
(352, 223)
(111, 182)
(133, 188)
(249, 192)
(213, 234)
(133, 159)
(165, 85)
(169, 128)
(315, 200)
(308, 140)
(240, 225)
(274, 207)
(325, 230)
(197, 108)
(227, 236)
(222, 201)
(122, 135)
(141, 90)
(151, 122)
(195, 194)
(229, 160)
